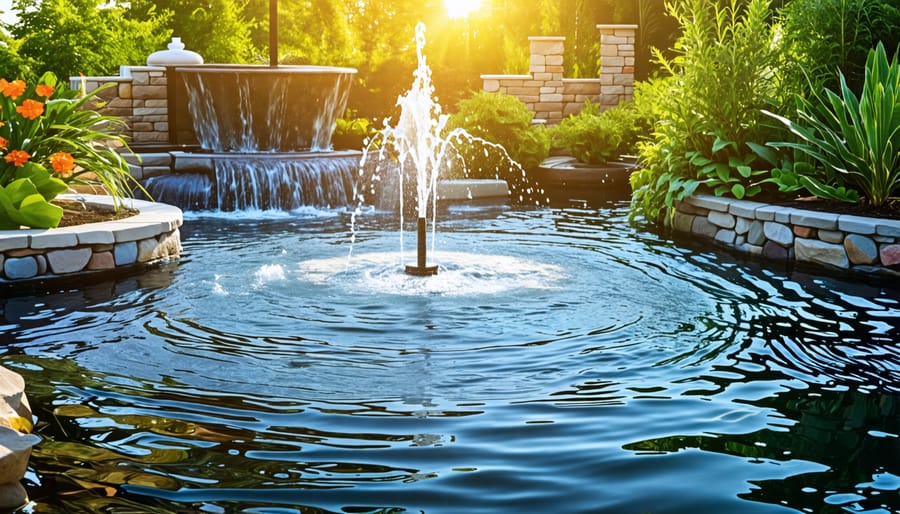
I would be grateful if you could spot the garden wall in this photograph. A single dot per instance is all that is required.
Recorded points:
(139, 96)
(552, 97)
(786, 233)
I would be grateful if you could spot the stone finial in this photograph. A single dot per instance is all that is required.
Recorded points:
(175, 55)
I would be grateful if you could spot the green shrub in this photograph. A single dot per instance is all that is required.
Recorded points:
(710, 107)
(351, 132)
(594, 137)
(502, 120)
(856, 140)
(830, 36)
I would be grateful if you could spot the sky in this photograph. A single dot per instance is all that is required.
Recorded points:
(6, 9)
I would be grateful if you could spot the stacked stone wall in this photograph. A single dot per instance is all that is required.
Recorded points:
(840, 241)
(552, 97)
(138, 96)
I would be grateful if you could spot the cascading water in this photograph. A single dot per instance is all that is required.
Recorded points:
(266, 136)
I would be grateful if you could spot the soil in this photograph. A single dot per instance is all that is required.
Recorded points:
(78, 213)
(889, 211)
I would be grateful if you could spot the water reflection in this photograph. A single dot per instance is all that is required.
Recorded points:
(849, 433)
(650, 372)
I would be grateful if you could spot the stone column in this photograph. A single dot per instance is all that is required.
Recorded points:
(547, 73)
(616, 63)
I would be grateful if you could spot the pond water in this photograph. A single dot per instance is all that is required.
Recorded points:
(562, 361)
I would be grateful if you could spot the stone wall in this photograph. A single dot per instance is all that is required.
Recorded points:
(784, 233)
(150, 236)
(139, 96)
(551, 96)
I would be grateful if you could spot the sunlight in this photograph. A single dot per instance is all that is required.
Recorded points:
(461, 8)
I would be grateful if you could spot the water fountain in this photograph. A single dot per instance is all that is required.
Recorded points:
(562, 361)
(265, 139)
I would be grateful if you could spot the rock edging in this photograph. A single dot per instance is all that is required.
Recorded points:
(847, 242)
(150, 236)
(15, 446)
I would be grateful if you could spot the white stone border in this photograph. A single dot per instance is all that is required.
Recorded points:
(149, 236)
(786, 233)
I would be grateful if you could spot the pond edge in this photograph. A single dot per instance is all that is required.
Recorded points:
(837, 241)
(146, 238)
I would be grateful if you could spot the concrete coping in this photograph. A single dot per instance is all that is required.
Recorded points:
(506, 77)
(547, 38)
(605, 26)
(796, 216)
(471, 189)
(152, 220)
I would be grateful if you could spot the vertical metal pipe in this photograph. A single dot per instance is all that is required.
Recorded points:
(422, 246)
(273, 33)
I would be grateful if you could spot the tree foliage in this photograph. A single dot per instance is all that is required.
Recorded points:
(216, 29)
(69, 37)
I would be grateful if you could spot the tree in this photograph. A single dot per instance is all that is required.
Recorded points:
(216, 29)
(12, 63)
(69, 37)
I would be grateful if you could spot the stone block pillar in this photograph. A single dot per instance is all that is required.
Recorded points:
(138, 96)
(547, 74)
(552, 97)
(616, 63)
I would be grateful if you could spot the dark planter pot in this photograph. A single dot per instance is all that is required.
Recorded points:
(567, 181)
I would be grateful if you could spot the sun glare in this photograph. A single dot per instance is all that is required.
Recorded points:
(461, 8)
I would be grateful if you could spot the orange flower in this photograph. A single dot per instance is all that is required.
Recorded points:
(44, 90)
(3, 143)
(13, 89)
(63, 163)
(30, 109)
(17, 157)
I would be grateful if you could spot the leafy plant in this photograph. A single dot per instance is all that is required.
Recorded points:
(48, 139)
(502, 120)
(793, 175)
(722, 76)
(855, 139)
(352, 132)
(828, 36)
(593, 136)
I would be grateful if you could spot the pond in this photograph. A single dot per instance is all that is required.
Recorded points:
(562, 361)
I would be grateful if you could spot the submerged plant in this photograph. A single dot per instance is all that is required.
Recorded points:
(856, 140)
(48, 139)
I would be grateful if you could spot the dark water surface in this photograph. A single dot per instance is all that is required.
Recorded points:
(562, 362)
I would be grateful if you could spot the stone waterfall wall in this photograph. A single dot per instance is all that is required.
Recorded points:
(552, 97)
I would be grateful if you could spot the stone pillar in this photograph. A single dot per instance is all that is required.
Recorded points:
(138, 97)
(616, 63)
(150, 115)
(547, 72)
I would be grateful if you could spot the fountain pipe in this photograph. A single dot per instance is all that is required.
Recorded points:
(422, 269)
(273, 33)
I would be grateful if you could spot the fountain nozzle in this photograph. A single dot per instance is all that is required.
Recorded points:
(421, 269)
